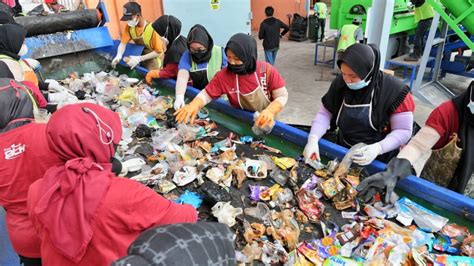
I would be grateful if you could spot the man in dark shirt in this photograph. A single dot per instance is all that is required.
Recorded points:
(270, 33)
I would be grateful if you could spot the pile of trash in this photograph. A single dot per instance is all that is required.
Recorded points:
(282, 210)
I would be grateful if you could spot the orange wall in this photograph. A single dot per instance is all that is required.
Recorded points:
(151, 9)
(282, 8)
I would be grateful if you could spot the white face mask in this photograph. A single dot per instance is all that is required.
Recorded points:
(132, 23)
(470, 105)
(164, 40)
(23, 51)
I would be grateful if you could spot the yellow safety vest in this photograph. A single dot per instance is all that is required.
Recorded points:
(423, 12)
(347, 37)
(144, 39)
(322, 10)
(215, 62)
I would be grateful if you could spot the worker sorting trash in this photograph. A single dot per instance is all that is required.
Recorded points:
(156, 136)
(200, 63)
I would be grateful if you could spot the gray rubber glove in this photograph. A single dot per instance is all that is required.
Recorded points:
(387, 180)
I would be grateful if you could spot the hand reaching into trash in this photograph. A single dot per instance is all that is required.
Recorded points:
(396, 170)
(367, 154)
(61, 97)
(54, 86)
(188, 112)
(311, 150)
(179, 102)
(152, 74)
(116, 60)
(134, 61)
(267, 116)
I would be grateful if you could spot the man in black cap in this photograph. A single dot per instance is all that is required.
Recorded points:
(142, 33)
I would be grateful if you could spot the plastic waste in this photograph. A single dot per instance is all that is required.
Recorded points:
(185, 176)
(310, 205)
(226, 213)
(255, 192)
(253, 231)
(261, 211)
(137, 118)
(190, 198)
(258, 130)
(425, 219)
(134, 164)
(255, 169)
(161, 138)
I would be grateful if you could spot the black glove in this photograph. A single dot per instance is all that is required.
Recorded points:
(396, 170)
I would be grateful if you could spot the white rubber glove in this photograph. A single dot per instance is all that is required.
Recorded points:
(134, 61)
(61, 97)
(116, 60)
(366, 154)
(179, 102)
(54, 86)
(311, 150)
(33, 63)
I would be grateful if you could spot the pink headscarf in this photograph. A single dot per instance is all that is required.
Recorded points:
(83, 136)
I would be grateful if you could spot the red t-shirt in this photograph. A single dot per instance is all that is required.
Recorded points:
(225, 82)
(170, 71)
(408, 105)
(25, 158)
(444, 119)
(127, 210)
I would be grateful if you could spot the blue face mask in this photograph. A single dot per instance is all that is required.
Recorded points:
(358, 85)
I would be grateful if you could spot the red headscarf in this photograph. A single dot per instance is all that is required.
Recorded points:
(83, 136)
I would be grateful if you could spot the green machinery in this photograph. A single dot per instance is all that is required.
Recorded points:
(344, 11)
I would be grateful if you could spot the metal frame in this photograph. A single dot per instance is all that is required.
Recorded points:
(453, 22)
(433, 91)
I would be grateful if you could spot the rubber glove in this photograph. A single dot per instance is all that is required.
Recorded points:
(311, 150)
(134, 61)
(179, 102)
(33, 63)
(60, 97)
(367, 154)
(396, 169)
(116, 60)
(189, 111)
(54, 86)
(267, 116)
(152, 74)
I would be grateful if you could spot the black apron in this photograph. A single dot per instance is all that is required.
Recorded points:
(199, 78)
(355, 125)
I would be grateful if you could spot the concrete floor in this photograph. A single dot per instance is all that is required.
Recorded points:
(307, 83)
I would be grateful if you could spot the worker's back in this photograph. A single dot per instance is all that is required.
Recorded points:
(347, 37)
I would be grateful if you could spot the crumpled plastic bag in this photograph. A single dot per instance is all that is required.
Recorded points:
(226, 213)
(185, 176)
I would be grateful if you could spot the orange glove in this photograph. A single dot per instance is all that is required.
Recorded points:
(267, 116)
(152, 74)
(189, 111)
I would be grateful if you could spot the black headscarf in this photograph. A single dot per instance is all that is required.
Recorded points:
(182, 244)
(466, 134)
(12, 37)
(15, 103)
(200, 35)
(245, 48)
(5, 71)
(6, 18)
(169, 27)
(389, 92)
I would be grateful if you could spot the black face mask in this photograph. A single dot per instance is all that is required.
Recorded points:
(199, 56)
(237, 69)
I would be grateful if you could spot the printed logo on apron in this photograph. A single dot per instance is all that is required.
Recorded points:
(257, 100)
